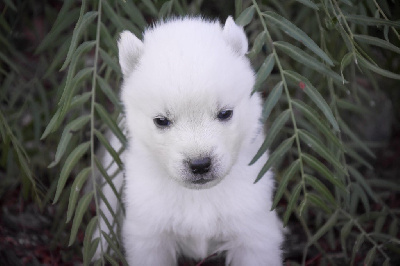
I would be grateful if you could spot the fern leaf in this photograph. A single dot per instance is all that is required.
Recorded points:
(315, 119)
(272, 133)
(272, 100)
(364, 20)
(258, 44)
(58, 59)
(361, 181)
(115, 249)
(329, 224)
(292, 203)
(111, 260)
(108, 147)
(369, 259)
(275, 156)
(69, 91)
(76, 102)
(356, 139)
(318, 202)
(365, 63)
(108, 92)
(379, 223)
(307, 60)
(323, 170)
(63, 22)
(357, 190)
(320, 187)
(72, 79)
(80, 211)
(246, 16)
(110, 123)
(344, 233)
(314, 95)
(23, 163)
(66, 137)
(377, 42)
(358, 158)
(321, 149)
(264, 71)
(111, 230)
(134, 14)
(76, 187)
(114, 18)
(165, 9)
(359, 241)
(286, 177)
(345, 62)
(347, 105)
(297, 34)
(150, 6)
(111, 62)
(69, 164)
(78, 31)
(108, 179)
(309, 3)
(87, 241)
(238, 7)
(107, 40)
(91, 251)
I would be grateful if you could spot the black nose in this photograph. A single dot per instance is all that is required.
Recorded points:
(200, 166)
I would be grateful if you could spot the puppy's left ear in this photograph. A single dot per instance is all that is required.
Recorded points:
(235, 37)
(129, 51)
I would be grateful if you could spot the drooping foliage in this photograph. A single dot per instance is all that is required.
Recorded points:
(310, 56)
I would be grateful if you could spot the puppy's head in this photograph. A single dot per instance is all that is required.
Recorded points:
(187, 96)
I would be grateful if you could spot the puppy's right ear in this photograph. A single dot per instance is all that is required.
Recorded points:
(129, 51)
(235, 37)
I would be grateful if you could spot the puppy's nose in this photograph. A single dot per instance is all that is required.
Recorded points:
(200, 166)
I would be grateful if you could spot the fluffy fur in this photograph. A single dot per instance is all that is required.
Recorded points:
(188, 71)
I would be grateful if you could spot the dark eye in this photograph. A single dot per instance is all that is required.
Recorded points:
(224, 115)
(162, 121)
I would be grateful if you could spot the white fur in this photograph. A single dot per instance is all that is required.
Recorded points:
(188, 70)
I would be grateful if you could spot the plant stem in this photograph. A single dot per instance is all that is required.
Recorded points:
(92, 115)
(361, 229)
(281, 72)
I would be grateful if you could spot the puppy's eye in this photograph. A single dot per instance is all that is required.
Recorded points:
(162, 122)
(225, 115)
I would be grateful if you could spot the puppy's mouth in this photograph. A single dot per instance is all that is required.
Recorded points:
(200, 173)
(201, 181)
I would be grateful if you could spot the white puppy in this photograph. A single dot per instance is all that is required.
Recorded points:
(193, 128)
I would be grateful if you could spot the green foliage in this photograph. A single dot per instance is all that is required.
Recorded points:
(298, 49)
(322, 175)
(88, 88)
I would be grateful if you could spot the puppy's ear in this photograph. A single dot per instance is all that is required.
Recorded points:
(130, 48)
(235, 37)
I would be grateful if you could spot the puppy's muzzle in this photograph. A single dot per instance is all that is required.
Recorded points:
(200, 168)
